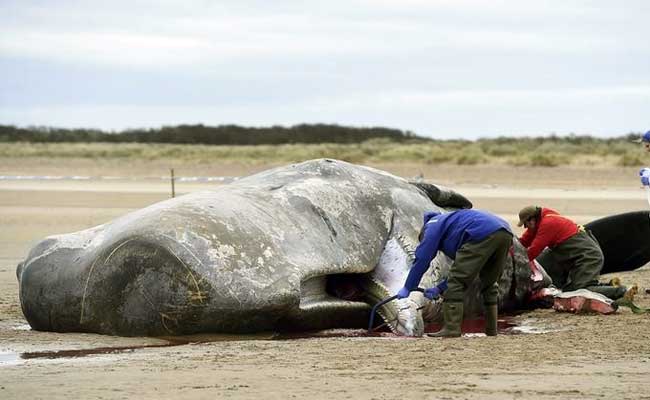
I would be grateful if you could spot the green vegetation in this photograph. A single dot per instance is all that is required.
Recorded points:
(216, 135)
(204, 144)
(547, 152)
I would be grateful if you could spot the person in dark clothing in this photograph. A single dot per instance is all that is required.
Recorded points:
(478, 242)
(577, 256)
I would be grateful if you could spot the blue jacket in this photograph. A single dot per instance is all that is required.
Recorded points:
(447, 233)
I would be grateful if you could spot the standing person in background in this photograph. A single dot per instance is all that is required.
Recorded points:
(645, 177)
(577, 253)
(645, 141)
(478, 242)
(644, 173)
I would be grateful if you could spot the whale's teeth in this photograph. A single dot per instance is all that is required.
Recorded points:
(390, 323)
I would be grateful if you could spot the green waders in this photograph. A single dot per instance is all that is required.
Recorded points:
(484, 259)
(579, 261)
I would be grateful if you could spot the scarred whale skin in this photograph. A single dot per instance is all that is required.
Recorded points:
(254, 255)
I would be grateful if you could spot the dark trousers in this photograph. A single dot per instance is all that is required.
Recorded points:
(579, 261)
(484, 259)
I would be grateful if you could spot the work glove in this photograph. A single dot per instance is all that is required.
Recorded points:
(403, 293)
(645, 176)
(436, 291)
(432, 293)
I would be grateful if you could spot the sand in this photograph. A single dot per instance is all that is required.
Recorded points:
(576, 356)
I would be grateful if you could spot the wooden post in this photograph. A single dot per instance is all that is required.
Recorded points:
(173, 190)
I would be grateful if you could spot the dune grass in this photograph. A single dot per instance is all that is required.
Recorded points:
(526, 152)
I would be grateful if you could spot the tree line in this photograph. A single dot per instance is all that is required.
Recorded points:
(215, 135)
(274, 135)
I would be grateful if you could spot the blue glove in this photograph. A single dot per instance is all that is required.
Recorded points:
(436, 291)
(403, 293)
(432, 293)
(645, 176)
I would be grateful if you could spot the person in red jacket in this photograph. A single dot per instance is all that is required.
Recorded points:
(577, 254)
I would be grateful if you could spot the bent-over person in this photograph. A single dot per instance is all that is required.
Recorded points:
(478, 242)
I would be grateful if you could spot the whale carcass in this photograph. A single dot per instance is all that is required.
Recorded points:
(301, 247)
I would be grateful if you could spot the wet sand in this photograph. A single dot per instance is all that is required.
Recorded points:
(578, 357)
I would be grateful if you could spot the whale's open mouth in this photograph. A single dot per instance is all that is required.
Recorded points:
(327, 301)
(348, 300)
(335, 290)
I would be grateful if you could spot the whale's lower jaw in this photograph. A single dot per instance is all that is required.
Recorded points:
(346, 300)
(328, 301)
(326, 313)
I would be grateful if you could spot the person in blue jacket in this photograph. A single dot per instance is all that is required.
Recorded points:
(478, 242)
(644, 173)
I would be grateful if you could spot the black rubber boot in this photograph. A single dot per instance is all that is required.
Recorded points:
(453, 314)
(613, 292)
(491, 317)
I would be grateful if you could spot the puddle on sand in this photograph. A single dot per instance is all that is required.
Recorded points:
(9, 358)
(506, 325)
(170, 342)
(475, 327)
(88, 352)
(12, 358)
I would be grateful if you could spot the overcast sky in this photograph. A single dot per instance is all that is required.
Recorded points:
(444, 69)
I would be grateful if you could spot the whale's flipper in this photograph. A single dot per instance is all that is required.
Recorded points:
(442, 196)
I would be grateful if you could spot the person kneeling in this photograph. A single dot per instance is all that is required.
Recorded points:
(577, 256)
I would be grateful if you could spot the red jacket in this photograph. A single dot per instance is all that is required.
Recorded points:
(551, 230)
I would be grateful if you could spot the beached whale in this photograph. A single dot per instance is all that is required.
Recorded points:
(302, 247)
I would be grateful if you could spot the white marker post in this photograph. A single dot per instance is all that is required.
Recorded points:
(173, 180)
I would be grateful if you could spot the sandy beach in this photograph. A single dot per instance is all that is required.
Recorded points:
(551, 356)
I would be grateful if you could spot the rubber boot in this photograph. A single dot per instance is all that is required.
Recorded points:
(453, 314)
(491, 316)
(613, 292)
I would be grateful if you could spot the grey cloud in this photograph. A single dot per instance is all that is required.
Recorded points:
(415, 64)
